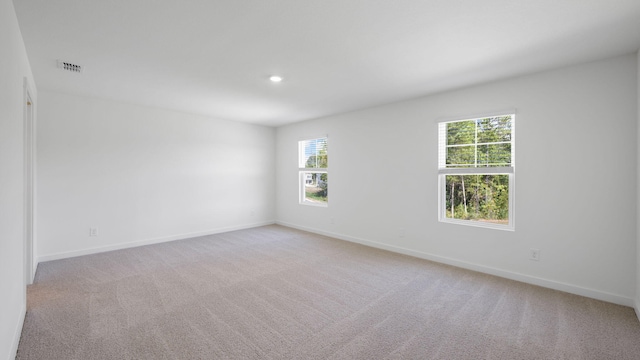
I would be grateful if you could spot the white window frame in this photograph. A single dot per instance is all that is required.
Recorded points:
(443, 171)
(303, 171)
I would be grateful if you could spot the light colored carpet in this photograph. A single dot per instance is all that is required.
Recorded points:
(278, 293)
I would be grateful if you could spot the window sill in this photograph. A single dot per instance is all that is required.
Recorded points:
(481, 224)
(312, 203)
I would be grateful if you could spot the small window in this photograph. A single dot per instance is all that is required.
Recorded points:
(313, 172)
(476, 171)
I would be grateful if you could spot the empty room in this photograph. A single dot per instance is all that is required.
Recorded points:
(356, 179)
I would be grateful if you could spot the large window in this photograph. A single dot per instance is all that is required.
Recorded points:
(313, 172)
(476, 171)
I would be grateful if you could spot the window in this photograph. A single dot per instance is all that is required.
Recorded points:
(476, 171)
(313, 172)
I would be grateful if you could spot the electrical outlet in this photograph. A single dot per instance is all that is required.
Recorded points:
(534, 255)
(332, 220)
(93, 231)
(401, 232)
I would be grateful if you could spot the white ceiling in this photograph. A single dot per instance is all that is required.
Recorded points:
(214, 57)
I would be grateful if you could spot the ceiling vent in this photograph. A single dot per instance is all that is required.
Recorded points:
(69, 66)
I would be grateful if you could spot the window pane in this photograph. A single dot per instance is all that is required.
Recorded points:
(461, 132)
(314, 153)
(494, 129)
(494, 155)
(483, 142)
(316, 187)
(461, 156)
(482, 198)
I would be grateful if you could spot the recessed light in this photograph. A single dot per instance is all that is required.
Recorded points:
(275, 78)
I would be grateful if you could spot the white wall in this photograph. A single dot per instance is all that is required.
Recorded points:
(14, 67)
(144, 175)
(575, 179)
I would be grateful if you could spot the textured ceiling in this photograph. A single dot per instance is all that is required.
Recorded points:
(215, 57)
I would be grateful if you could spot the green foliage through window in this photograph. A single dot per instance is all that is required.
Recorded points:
(478, 197)
(479, 142)
(476, 166)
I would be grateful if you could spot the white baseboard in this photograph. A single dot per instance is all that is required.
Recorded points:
(551, 284)
(18, 333)
(637, 308)
(136, 243)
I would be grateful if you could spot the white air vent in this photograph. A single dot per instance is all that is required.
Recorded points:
(69, 66)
